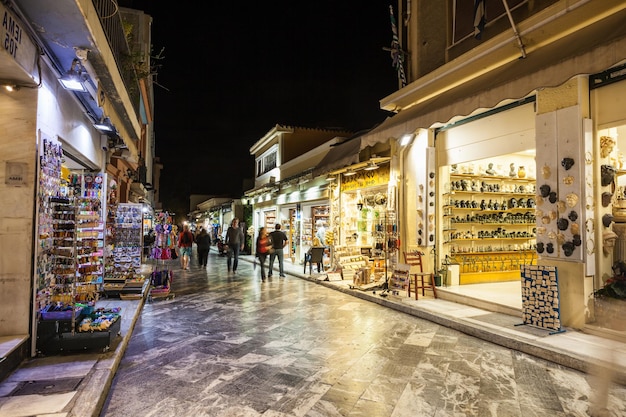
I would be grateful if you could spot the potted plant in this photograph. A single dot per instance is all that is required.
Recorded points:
(609, 302)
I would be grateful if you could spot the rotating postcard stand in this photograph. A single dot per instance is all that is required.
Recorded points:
(163, 251)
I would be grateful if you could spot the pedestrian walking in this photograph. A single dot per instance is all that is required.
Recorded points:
(263, 246)
(203, 243)
(279, 239)
(185, 243)
(235, 241)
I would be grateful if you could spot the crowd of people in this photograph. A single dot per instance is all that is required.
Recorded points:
(269, 246)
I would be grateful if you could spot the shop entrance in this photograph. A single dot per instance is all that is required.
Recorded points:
(488, 218)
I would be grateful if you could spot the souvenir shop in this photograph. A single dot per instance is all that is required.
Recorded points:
(71, 260)
(516, 186)
(364, 221)
(486, 209)
(303, 216)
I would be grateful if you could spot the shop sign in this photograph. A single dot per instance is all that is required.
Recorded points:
(16, 173)
(364, 179)
(15, 40)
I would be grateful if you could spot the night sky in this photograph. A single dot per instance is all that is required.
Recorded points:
(232, 72)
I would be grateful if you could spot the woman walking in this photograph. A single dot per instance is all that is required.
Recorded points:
(263, 245)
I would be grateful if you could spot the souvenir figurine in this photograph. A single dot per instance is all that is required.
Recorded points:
(512, 172)
(606, 146)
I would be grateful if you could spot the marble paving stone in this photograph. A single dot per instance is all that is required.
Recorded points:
(233, 346)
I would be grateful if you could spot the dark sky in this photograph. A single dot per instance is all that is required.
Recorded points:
(233, 70)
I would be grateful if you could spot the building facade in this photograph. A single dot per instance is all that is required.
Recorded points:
(100, 136)
(511, 125)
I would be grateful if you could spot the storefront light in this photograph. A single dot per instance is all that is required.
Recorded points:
(75, 78)
(406, 139)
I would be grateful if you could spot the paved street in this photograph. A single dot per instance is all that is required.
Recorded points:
(231, 345)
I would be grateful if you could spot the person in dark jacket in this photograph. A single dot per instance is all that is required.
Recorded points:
(203, 242)
(235, 241)
(279, 239)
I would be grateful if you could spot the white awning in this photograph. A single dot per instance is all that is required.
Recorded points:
(339, 156)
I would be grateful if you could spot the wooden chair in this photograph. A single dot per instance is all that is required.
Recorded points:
(316, 256)
(421, 280)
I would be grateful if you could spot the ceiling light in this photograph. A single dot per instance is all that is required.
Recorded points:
(330, 178)
(74, 79)
(349, 173)
(371, 166)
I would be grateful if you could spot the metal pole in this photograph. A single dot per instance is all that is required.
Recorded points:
(515, 32)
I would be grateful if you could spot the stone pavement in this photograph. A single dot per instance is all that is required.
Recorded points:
(77, 384)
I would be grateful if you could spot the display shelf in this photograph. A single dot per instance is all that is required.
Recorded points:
(320, 217)
(489, 216)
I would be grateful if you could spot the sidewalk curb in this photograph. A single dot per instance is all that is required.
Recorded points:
(95, 388)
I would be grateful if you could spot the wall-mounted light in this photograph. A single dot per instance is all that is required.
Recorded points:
(11, 87)
(371, 166)
(406, 139)
(75, 78)
(104, 125)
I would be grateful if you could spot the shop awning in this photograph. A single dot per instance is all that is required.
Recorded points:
(549, 63)
(339, 156)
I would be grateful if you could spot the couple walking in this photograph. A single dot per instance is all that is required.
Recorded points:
(271, 244)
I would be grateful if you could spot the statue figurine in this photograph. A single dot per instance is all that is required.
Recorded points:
(512, 172)
(490, 170)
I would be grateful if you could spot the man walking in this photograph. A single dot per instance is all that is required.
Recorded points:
(235, 241)
(279, 239)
